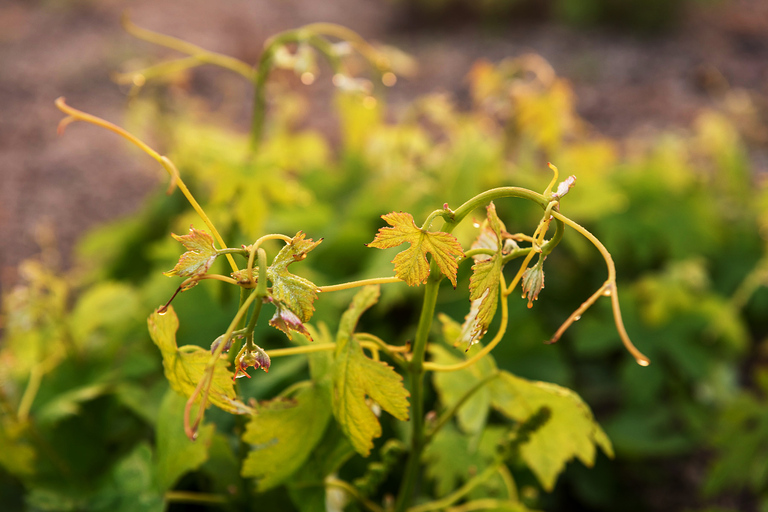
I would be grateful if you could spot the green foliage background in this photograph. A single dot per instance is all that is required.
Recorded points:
(681, 213)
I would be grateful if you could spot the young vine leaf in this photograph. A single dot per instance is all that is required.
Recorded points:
(199, 257)
(570, 431)
(484, 283)
(283, 433)
(356, 377)
(291, 293)
(186, 366)
(411, 265)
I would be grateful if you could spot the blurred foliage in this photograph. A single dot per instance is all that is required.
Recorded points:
(86, 409)
(642, 16)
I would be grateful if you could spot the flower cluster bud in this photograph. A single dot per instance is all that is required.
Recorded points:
(256, 358)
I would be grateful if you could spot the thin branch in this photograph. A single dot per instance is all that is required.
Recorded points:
(194, 497)
(201, 54)
(78, 115)
(608, 288)
(451, 412)
(357, 284)
(341, 484)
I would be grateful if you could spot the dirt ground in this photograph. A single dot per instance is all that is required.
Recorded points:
(623, 82)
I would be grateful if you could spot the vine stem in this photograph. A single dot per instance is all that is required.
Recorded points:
(608, 288)
(35, 379)
(264, 68)
(482, 504)
(462, 491)
(349, 489)
(77, 115)
(417, 365)
(323, 347)
(357, 284)
(416, 371)
(201, 54)
(451, 412)
(191, 429)
(194, 497)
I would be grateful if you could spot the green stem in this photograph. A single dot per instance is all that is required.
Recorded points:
(381, 345)
(233, 250)
(451, 412)
(33, 386)
(460, 492)
(201, 54)
(300, 35)
(261, 292)
(416, 371)
(349, 489)
(194, 497)
(357, 284)
(495, 193)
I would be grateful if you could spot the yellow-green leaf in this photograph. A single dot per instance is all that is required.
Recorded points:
(282, 434)
(411, 265)
(186, 366)
(357, 378)
(484, 283)
(296, 293)
(571, 430)
(199, 257)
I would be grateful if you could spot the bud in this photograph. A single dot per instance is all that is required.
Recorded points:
(218, 341)
(533, 283)
(257, 358)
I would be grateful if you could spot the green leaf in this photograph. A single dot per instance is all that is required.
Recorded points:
(411, 265)
(294, 292)
(282, 434)
(451, 458)
(451, 386)
(186, 366)
(17, 455)
(108, 305)
(199, 257)
(68, 403)
(570, 431)
(356, 377)
(176, 454)
(131, 486)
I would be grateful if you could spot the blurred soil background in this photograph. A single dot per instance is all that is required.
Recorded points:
(626, 80)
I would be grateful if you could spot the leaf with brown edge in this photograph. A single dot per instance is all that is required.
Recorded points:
(285, 320)
(484, 283)
(293, 292)
(199, 257)
(411, 265)
(186, 366)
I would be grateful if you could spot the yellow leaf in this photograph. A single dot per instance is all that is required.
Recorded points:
(411, 265)
(185, 367)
